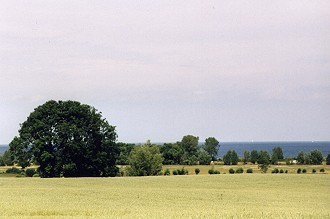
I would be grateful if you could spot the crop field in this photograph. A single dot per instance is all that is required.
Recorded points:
(201, 196)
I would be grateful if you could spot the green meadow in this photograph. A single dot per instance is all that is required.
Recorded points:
(192, 196)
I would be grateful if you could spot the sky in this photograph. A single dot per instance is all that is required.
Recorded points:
(159, 70)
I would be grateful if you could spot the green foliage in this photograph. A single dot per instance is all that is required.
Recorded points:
(286, 171)
(246, 157)
(304, 171)
(322, 170)
(204, 158)
(240, 170)
(189, 144)
(249, 170)
(227, 158)
(313, 171)
(7, 158)
(231, 171)
(211, 147)
(254, 156)
(299, 171)
(327, 160)
(2, 163)
(13, 170)
(124, 151)
(172, 153)
(30, 172)
(230, 158)
(288, 161)
(277, 155)
(301, 157)
(281, 171)
(275, 170)
(316, 157)
(263, 157)
(167, 172)
(197, 171)
(145, 160)
(67, 138)
(234, 158)
(181, 171)
(263, 161)
(213, 171)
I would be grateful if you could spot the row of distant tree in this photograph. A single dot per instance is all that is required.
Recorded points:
(188, 152)
(70, 139)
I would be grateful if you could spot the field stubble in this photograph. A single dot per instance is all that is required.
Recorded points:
(202, 196)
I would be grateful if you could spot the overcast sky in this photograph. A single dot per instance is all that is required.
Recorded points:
(159, 70)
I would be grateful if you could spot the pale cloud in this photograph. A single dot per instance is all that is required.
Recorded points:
(228, 69)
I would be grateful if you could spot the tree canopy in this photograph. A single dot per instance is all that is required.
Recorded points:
(67, 138)
(145, 160)
(211, 147)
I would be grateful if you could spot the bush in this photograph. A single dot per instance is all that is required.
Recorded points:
(281, 171)
(181, 171)
(231, 171)
(211, 171)
(30, 172)
(304, 171)
(240, 170)
(313, 171)
(197, 171)
(175, 172)
(216, 172)
(276, 170)
(322, 170)
(299, 170)
(167, 172)
(286, 171)
(249, 170)
(35, 175)
(13, 170)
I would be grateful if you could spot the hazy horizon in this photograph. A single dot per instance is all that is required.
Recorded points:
(235, 70)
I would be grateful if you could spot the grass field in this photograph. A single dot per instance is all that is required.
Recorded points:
(202, 196)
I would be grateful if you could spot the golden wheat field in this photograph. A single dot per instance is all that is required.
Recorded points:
(201, 196)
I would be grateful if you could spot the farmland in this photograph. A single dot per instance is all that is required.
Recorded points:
(201, 196)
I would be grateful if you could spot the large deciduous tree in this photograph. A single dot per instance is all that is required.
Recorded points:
(67, 138)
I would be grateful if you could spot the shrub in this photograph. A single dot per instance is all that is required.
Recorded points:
(30, 172)
(286, 171)
(276, 170)
(167, 172)
(175, 172)
(13, 170)
(197, 171)
(281, 171)
(183, 171)
(231, 171)
(313, 171)
(240, 170)
(322, 170)
(211, 171)
(304, 171)
(249, 170)
(299, 170)
(36, 175)
(216, 172)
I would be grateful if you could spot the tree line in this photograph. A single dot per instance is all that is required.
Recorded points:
(70, 139)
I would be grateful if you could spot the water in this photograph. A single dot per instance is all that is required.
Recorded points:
(290, 149)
